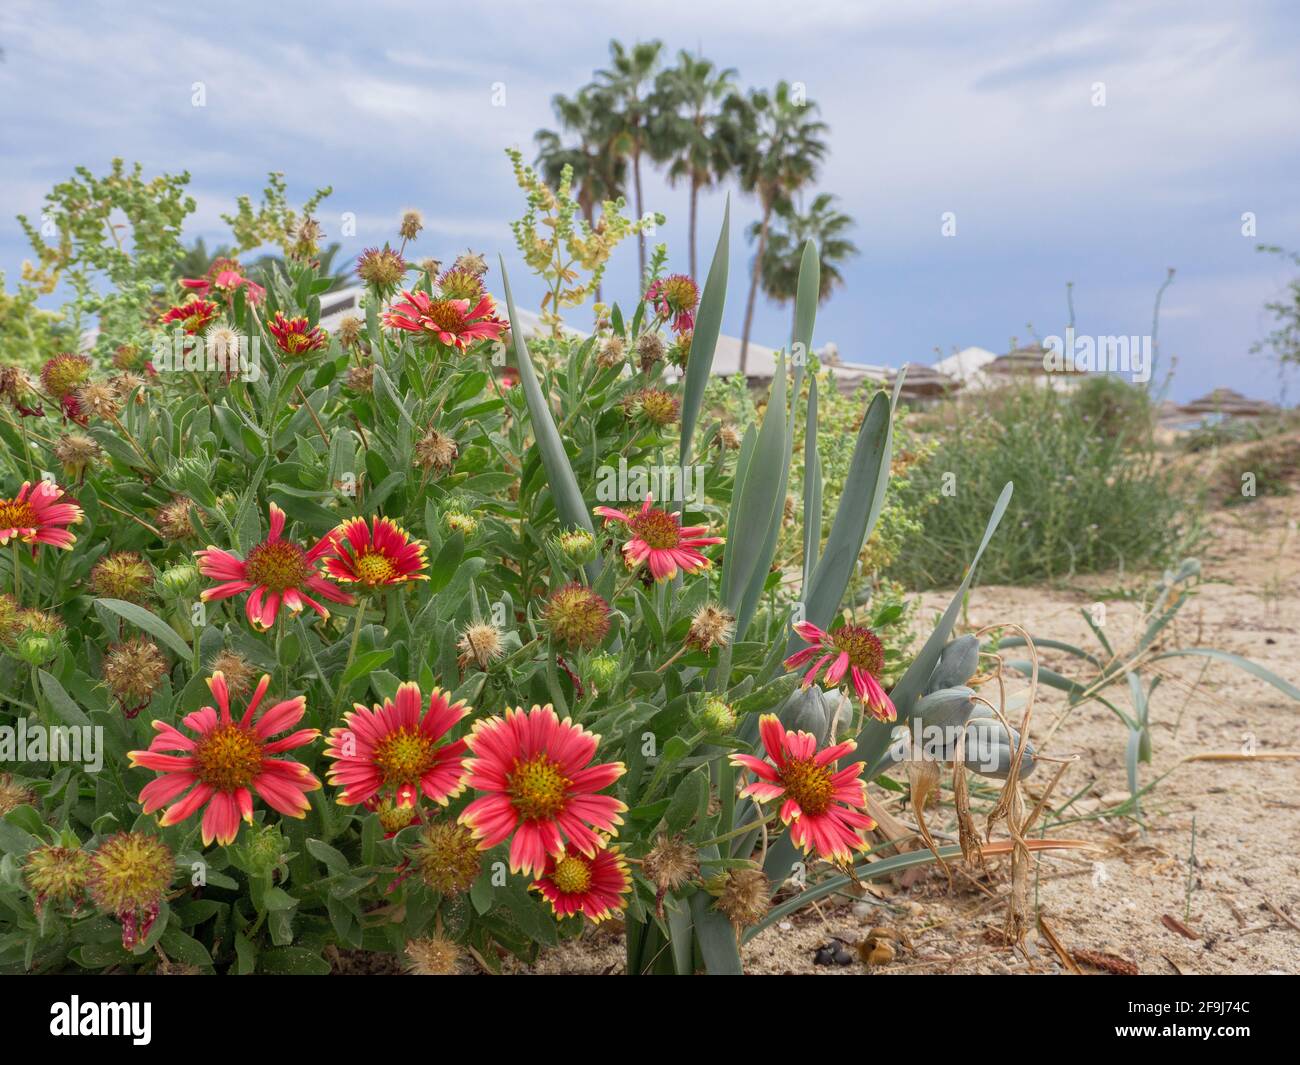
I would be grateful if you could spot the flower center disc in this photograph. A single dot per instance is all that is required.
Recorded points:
(808, 784)
(278, 564)
(229, 757)
(657, 528)
(374, 568)
(862, 646)
(572, 875)
(404, 756)
(538, 789)
(446, 315)
(15, 515)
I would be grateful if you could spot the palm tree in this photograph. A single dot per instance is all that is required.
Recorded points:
(791, 229)
(777, 145)
(687, 120)
(598, 173)
(626, 85)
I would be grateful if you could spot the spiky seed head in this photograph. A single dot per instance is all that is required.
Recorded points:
(729, 438)
(577, 546)
(412, 223)
(436, 451)
(481, 644)
(717, 715)
(602, 671)
(99, 398)
(612, 353)
(712, 626)
(133, 669)
(129, 873)
(447, 857)
(238, 671)
(57, 874)
(650, 350)
(122, 575)
(576, 617)
(381, 268)
(471, 262)
(360, 379)
(460, 284)
(76, 453)
(174, 519)
(745, 896)
(658, 407)
(179, 581)
(434, 955)
(671, 862)
(349, 331)
(393, 818)
(64, 374)
(14, 795)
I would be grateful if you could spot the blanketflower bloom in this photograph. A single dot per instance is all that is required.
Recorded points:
(35, 516)
(660, 540)
(227, 762)
(226, 278)
(296, 336)
(454, 322)
(193, 316)
(397, 747)
(675, 296)
(276, 571)
(537, 782)
(375, 554)
(822, 805)
(594, 885)
(852, 649)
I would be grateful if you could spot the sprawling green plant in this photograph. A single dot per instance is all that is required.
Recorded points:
(387, 536)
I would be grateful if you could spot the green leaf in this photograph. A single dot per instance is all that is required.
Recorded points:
(60, 701)
(292, 961)
(150, 623)
(1253, 668)
(704, 341)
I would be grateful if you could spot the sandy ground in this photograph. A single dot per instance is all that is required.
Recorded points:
(1239, 897)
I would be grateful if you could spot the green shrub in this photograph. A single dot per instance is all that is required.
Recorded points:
(1091, 493)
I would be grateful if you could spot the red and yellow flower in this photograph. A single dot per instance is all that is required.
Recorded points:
(276, 572)
(193, 316)
(454, 322)
(675, 296)
(226, 762)
(822, 805)
(536, 781)
(35, 516)
(660, 540)
(398, 748)
(851, 649)
(375, 554)
(296, 336)
(594, 885)
(226, 277)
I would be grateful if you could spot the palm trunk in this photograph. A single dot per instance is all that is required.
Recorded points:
(695, 197)
(753, 288)
(640, 213)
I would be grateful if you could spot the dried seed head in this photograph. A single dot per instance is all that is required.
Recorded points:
(174, 519)
(436, 451)
(576, 616)
(305, 239)
(434, 955)
(14, 795)
(446, 857)
(711, 627)
(360, 379)
(671, 862)
(612, 353)
(471, 262)
(650, 350)
(745, 896)
(57, 874)
(100, 399)
(432, 267)
(222, 344)
(679, 354)
(729, 438)
(238, 671)
(481, 644)
(349, 330)
(412, 223)
(133, 670)
(122, 575)
(76, 452)
(128, 384)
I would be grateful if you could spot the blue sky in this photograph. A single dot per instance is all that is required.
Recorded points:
(981, 109)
